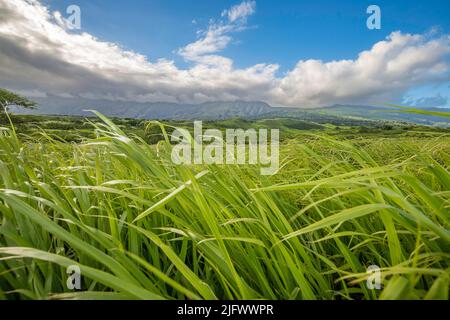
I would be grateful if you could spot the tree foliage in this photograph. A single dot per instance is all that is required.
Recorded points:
(8, 98)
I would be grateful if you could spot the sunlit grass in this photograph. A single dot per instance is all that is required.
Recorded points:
(141, 227)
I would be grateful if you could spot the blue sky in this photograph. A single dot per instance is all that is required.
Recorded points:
(279, 32)
(275, 34)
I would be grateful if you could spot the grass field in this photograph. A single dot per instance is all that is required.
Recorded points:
(141, 227)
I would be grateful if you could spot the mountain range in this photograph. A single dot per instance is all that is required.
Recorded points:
(220, 110)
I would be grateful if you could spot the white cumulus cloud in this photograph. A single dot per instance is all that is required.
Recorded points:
(39, 55)
(240, 11)
(218, 36)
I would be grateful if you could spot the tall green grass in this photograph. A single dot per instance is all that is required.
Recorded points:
(141, 227)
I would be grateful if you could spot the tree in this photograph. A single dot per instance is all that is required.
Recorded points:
(8, 98)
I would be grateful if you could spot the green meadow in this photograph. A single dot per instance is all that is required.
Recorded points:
(104, 195)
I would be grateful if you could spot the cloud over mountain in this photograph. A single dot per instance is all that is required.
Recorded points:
(37, 54)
